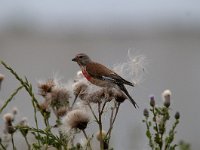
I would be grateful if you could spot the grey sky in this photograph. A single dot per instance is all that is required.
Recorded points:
(52, 12)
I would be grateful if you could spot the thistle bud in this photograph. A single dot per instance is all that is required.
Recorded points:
(177, 115)
(15, 111)
(152, 101)
(146, 112)
(166, 97)
(1, 79)
(98, 135)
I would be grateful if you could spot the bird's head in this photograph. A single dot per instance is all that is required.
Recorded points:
(82, 59)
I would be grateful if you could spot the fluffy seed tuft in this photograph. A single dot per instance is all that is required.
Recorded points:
(167, 97)
(76, 119)
(8, 117)
(46, 86)
(59, 97)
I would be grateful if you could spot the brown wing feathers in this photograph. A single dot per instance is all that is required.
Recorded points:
(101, 72)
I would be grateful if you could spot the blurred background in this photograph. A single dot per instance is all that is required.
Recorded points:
(39, 39)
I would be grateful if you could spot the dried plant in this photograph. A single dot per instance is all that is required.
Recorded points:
(66, 116)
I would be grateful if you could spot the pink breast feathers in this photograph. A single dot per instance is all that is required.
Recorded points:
(87, 76)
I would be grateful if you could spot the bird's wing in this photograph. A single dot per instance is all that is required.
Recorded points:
(101, 72)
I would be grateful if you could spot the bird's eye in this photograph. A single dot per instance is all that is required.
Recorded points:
(80, 56)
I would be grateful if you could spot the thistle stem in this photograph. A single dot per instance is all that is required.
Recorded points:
(112, 120)
(100, 126)
(3, 147)
(10, 98)
(29, 146)
(13, 144)
(93, 113)
(87, 138)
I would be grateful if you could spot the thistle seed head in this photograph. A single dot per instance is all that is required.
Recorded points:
(166, 97)
(46, 86)
(8, 118)
(76, 119)
(59, 97)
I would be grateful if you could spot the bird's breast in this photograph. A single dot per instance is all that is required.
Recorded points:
(101, 83)
(86, 75)
(95, 81)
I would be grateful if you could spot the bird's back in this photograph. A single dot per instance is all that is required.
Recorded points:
(101, 72)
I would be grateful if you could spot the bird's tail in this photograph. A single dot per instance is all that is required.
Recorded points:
(123, 88)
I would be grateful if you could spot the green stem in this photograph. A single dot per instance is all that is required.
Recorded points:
(10, 98)
(156, 128)
(35, 118)
(171, 134)
(29, 146)
(3, 147)
(88, 140)
(149, 136)
(28, 88)
(155, 120)
(163, 127)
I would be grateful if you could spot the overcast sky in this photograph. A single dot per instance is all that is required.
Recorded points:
(51, 12)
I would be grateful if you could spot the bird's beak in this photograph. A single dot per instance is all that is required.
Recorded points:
(74, 59)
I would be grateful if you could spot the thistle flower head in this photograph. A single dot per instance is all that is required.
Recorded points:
(8, 118)
(146, 112)
(152, 101)
(76, 119)
(166, 97)
(59, 97)
(177, 115)
(46, 86)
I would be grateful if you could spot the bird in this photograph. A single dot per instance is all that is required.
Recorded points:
(102, 76)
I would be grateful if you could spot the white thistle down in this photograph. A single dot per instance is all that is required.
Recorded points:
(133, 69)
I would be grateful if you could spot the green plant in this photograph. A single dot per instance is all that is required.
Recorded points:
(161, 135)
